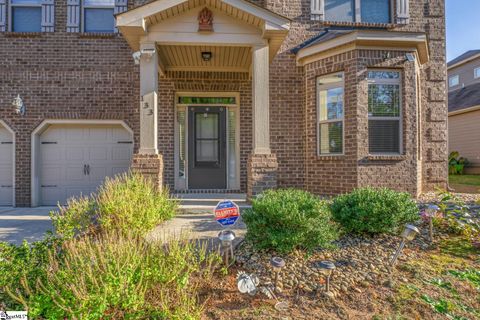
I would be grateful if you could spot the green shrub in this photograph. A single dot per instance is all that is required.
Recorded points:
(284, 220)
(456, 164)
(370, 210)
(128, 203)
(113, 276)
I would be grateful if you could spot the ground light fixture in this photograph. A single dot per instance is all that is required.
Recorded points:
(277, 264)
(247, 283)
(326, 268)
(408, 234)
(226, 238)
(431, 212)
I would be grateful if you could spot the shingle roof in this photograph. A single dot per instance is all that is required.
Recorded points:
(324, 35)
(464, 98)
(462, 57)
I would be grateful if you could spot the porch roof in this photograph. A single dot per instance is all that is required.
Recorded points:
(136, 23)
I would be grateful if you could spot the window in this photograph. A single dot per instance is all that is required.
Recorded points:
(26, 15)
(453, 81)
(476, 73)
(384, 112)
(330, 112)
(369, 11)
(98, 16)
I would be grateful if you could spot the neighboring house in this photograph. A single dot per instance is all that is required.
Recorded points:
(464, 108)
(221, 95)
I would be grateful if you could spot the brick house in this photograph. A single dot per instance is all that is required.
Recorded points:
(464, 108)
(225, 95)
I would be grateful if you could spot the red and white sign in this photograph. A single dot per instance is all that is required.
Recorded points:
(227, 213)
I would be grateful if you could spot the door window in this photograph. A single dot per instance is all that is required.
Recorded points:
(206, 137)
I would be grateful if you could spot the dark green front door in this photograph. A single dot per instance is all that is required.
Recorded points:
(207, 136)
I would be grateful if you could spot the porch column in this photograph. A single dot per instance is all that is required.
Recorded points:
(148, 161)
(262, 164)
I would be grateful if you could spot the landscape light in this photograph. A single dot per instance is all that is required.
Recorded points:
(431, 212)
(226, 238)
(247, 283)
(277, 264)
(408, 234)
(326, 268)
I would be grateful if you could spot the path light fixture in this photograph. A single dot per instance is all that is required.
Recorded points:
(408, 234)
(226, 238)
(326, 268)
(247, 283)
(277, 264)
(431, 213)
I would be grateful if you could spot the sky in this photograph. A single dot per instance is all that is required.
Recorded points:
(463, 27)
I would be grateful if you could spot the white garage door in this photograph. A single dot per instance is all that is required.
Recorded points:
(6, 167)
(76, 159)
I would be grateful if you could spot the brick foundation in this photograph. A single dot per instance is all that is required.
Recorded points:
(150, 166)
(262, 174)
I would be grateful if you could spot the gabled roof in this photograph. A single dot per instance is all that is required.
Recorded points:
(464, 98)
(467, 56)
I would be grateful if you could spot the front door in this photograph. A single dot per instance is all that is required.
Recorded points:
(207, 165)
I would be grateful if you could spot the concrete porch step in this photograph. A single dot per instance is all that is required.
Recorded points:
(206, 202)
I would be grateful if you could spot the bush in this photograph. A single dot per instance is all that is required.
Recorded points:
(128, 203)
(370, 210)
(456, 164)
(117, 276)
(284, 220)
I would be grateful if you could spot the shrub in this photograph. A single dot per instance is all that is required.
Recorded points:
(118, 276)
(284, 220)
(456, 164)
(128, 203)
(370, 210)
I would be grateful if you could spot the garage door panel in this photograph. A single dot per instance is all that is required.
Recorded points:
(6, 173)
(95, 146)
(51, 153)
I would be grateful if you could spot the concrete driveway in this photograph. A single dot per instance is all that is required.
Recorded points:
(18, 224)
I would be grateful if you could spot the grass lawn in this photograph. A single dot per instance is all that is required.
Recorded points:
(468, 179)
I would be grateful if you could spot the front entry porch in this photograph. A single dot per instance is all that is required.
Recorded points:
(212, 58)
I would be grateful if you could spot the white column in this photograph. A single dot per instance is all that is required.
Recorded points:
(149, 99)
(261, 100)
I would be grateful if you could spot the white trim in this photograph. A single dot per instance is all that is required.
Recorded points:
(322, 87)
(6, 126)
(469, 109)
(35, 139)
(459, 63)
(399, 118)
(235, 107)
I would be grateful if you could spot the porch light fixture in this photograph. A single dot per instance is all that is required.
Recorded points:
(410, 57)
(431, 212)
(19, 106)
(277, 264)
(226, 238)
(408, 234)
(326, 268)
(206, 56)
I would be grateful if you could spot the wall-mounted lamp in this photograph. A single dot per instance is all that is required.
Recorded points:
(206, 56)
(410, 57)
(19, 105)
(386, 55)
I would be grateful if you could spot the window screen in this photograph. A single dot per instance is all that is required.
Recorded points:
(375, 11)
(26, 16)
(339, 10)
(99, 20)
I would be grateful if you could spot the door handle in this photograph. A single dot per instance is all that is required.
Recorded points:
(84, 169)
(88, 169)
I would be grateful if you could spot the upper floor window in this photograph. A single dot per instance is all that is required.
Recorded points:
(98, 16)
(453, 81)
(330, 111)
(476, 73)
(384, 112)
(26, 15)
(369, 11)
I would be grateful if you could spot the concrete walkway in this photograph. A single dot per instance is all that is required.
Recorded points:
(18, 224)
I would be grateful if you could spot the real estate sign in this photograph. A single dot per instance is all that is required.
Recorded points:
(227, 213)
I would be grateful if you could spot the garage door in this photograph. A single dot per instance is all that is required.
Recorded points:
(76, 159)
(6, 167)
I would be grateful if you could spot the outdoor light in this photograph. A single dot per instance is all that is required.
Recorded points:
(226, 238)
(206, 56)
(19, 105)
(247, 283)
(277, 264)
(410, 57)
(408, 234)
(431, 212)
(326, 268)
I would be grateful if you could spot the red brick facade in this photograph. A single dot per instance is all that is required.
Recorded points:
(64, 75)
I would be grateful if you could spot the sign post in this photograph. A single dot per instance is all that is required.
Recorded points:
(227, 213)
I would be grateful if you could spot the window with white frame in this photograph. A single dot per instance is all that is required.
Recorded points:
(384, 112)
(98, 16)
(368, 11)
(26, 15)
(453, 81)
(330, 113)
(476, 73)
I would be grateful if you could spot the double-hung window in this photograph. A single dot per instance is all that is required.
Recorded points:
(384, 112)
(368, 11)
(453, 81)
(476, 73)
(330, 113)
(98, 16)
(26, 15)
